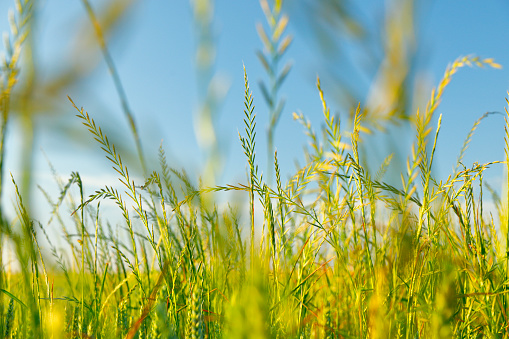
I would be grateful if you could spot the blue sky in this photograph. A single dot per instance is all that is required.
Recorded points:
(154, 48)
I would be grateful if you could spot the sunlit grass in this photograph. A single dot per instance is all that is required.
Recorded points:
(334, 251)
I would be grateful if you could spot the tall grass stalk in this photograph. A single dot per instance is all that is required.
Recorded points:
(275, 44)
(118, 83)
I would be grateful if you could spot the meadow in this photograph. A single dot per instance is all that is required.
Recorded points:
(330, 251)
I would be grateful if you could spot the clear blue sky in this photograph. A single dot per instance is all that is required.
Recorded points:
(154, 50)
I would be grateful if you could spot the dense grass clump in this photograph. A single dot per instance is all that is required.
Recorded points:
(334, 251)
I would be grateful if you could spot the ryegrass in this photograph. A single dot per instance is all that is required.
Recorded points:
(333, 252)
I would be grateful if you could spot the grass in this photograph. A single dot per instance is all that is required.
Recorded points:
(333, 252)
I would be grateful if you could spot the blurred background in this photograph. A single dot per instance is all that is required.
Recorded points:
(180, 66)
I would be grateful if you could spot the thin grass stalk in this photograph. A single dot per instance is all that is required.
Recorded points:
(211, 89)
(282, 210)
(248, 143)
(20, 29)
(425, 209)
(275, 45)
(2, 282)
(83, 244)
(19, 33)
(360, 192)
(97, 295)
(269, 215)
(31, 278)
(410, 188)
(117, 82)
(506, 214)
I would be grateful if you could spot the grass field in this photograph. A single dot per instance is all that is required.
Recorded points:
(332, 252)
